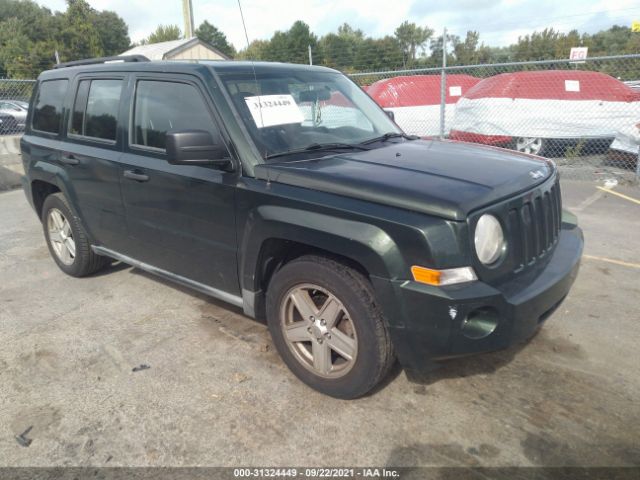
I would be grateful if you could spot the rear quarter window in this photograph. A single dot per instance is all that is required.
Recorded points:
(47, 108)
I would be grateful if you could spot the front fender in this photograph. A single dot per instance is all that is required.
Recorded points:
(366, 244)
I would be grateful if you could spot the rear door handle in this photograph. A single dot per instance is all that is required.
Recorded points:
(69, 159)
(137, 176)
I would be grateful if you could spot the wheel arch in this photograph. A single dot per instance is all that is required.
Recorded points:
(45, 179)
(275, 235)
(40, 190)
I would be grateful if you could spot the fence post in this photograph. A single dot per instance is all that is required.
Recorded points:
(443, 84)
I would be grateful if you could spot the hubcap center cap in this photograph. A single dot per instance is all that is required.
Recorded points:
(317, 329)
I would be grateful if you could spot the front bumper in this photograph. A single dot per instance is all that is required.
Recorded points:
(428, 324)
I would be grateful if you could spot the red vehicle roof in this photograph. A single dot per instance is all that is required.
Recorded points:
(554, 85)
(414, 90)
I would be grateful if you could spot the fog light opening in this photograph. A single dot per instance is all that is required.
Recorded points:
(480, 323)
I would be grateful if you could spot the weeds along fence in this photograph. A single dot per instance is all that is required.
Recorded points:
(583, 115)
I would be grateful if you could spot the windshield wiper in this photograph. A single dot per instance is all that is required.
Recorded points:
(319, 147)
(389, 135)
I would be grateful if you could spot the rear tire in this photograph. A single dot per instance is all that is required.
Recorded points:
(328, 328)
(67, 239)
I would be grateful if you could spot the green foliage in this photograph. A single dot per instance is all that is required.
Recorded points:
(113, 32)
(164, 33)
(291, 45)
(257, 50)
(30, 35)
(78, 36)
(339, 50)
(412, 39)
(210, 34)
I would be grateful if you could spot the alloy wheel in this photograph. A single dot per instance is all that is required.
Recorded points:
(319, 330)
(530, 145)
(61, 236)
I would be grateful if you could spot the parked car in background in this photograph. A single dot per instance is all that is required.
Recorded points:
(541, 112)
(415, 100)
(13, 115)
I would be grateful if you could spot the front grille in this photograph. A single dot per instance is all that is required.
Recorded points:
(534, 226)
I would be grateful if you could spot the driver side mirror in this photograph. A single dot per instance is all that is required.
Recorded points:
(196, 147)
(390, 114)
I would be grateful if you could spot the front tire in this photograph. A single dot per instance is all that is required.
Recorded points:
(67, 239)
(327, 327)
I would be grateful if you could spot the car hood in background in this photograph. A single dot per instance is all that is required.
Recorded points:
(442, 178)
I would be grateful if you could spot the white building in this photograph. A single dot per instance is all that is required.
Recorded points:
(185, 49)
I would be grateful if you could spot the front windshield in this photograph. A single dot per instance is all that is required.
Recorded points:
(288, 111)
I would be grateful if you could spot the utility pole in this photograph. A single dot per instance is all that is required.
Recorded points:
(187, 14)
(443, 84)
(310, 56)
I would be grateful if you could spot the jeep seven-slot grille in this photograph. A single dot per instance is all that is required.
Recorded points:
(535, 226)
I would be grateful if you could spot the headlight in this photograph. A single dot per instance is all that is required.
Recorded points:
(489, 239)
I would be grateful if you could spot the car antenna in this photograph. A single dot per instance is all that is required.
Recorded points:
(255, 77)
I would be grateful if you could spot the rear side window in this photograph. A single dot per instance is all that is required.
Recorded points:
(47, 110)
(95, 109)
(161, 106)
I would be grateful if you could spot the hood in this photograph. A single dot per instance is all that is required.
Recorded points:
(441, 178)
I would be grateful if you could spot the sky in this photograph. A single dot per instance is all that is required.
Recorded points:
(499, 22)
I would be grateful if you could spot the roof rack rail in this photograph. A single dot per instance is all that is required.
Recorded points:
(93, 61)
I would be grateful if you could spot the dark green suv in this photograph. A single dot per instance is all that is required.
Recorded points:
(285, 190)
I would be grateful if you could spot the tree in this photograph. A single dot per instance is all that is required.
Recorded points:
(78, 37)
(538, 45)
(30, 35)
(164, 33)
(436, 49)
(379, 54)
(470, 52)
(339, 49)
(292, 45)
(210, 34)
(113, 32)
(348, 32)
(412, 38)
(255, 51)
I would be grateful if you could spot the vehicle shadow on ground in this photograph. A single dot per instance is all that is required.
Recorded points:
(468, 366)
(114, 266)
(462, 367)
(186, 290)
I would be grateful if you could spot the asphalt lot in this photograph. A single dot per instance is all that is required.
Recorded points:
(217, 393)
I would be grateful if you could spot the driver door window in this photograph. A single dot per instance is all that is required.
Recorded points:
(161, 106)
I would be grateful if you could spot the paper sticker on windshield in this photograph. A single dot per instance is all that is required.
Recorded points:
(572, 85)
(270, 110)
(455, 91)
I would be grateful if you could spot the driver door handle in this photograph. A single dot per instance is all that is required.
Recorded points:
(69, 159)
(136, 175)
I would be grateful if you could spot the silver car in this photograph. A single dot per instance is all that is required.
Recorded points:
(13, 116)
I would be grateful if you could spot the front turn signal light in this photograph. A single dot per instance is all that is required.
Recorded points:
(438, 278)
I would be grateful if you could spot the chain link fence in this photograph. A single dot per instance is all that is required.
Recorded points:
(583, 115)
(14, 104)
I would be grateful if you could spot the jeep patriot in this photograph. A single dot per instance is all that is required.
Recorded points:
(286, 191)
